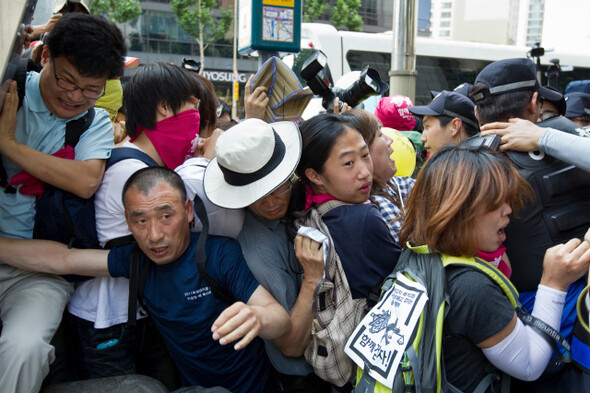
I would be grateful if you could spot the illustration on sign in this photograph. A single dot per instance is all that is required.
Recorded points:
(277, 24)
(379, 341)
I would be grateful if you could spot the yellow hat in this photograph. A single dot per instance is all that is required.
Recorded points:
(112, 100)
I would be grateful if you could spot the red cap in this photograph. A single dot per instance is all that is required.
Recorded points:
(393, 112)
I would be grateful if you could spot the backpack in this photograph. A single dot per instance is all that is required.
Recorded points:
(336, 312)
(581, 339)
(421, 368)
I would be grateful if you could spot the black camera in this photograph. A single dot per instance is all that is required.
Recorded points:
(316, 73)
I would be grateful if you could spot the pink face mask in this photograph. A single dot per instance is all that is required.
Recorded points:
(175, 138)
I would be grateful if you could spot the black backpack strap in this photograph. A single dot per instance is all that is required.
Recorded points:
(119, 241)
(136, 285)
(75, 128)
(124, 153)
(132, 301)
(20, 76)
(201, 253)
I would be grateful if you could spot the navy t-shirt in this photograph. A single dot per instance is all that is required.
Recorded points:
(184, 309)
(364, 244)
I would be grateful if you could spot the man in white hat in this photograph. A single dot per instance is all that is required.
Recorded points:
(254, 168)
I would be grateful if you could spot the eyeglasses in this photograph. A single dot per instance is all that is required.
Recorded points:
(282, 190)
(90, 93)
(196, 102)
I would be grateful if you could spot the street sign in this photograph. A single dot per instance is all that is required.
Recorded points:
(269, 26)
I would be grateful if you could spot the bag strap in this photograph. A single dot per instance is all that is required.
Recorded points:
(132, 301)
(136, 285)
(75, 128)
(551, 335)
(201, 253)
(125, 153)
(325, 207)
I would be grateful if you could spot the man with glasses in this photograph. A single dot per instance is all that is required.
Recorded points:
(254, 168)
(81, 53)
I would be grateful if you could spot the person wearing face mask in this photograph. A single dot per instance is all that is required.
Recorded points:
(161, 103)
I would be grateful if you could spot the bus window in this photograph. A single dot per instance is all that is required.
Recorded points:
(443, 73)
(357, 60)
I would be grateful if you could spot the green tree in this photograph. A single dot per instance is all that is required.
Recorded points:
(196, 18)
(313, 9)
(119, 11)
(345, 15)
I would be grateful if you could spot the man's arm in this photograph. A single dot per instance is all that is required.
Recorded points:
(76, 176)
(255, 102)
(516, 134)
(262, 316)
(51, 257)
(311, 256)
(523, 135)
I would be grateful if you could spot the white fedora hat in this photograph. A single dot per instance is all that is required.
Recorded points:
(253, 158)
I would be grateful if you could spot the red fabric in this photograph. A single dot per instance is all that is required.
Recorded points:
(175, 138)
(495, 259)
(30, 185)
(393, 112)
(311, 198)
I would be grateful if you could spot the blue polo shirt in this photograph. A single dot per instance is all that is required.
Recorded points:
(184, 309)
(37, 128)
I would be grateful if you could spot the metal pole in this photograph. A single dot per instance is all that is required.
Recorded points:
(235, 85)
(402, 77)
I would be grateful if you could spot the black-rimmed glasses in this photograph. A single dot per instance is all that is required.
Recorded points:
(90, 93)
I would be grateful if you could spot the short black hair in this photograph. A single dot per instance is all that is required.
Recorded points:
(469, 129)
(145, 179)
(319, 134)
(155, 83)
(503, 106)
(92, 44)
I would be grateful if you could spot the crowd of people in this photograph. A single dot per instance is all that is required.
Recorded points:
(504, 180)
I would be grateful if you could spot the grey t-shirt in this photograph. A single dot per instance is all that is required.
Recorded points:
(270, 255)
(478, 310)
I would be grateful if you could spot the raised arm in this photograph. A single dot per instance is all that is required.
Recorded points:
(51, 257)
(523, 135)
(255, 102)
(519, 350)
(311, 256)
(262, 316)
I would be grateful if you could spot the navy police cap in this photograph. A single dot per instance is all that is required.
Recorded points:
(505, 76)
(578, 104)
(448, 103)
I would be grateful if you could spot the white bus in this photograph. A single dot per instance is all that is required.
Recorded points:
(441, 64)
